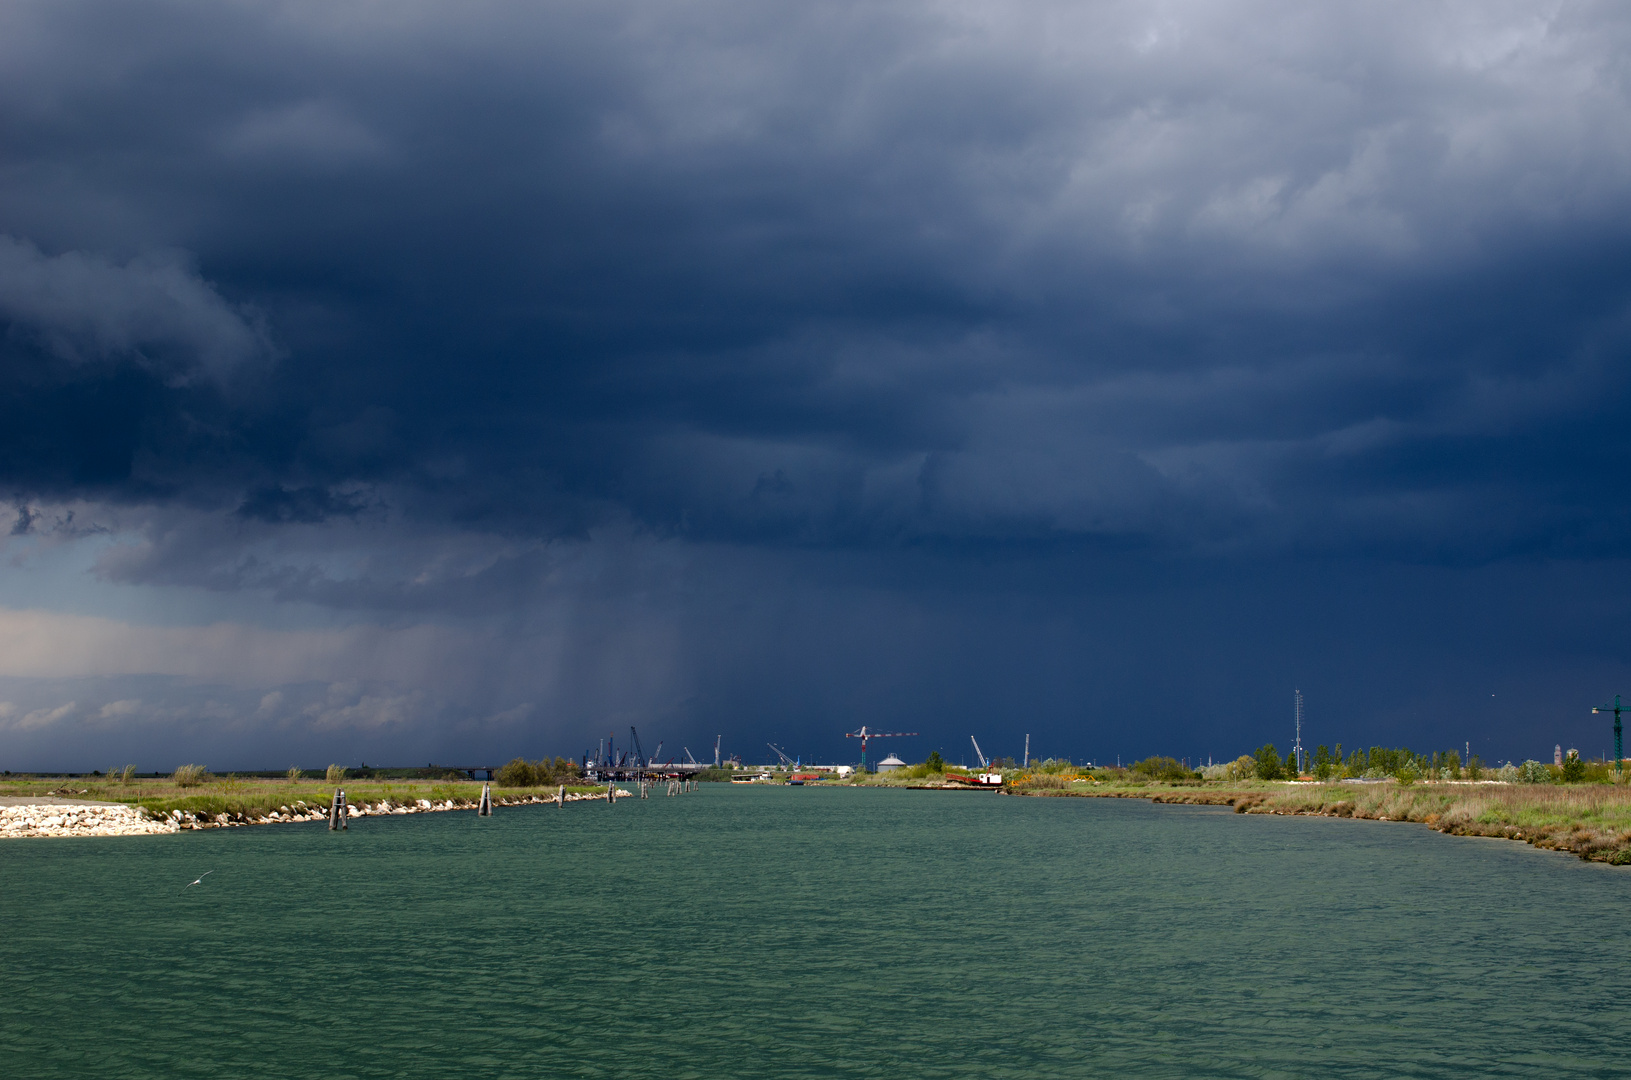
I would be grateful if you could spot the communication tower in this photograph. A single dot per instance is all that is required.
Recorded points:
(1297, 747)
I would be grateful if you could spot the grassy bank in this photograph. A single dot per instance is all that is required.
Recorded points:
(1592, 821)
(252, 799)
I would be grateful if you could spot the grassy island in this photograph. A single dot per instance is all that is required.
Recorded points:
(249, 799)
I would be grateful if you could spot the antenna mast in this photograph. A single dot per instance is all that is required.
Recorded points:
(1297, 749)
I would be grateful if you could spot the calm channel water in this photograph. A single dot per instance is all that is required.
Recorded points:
(787, 932)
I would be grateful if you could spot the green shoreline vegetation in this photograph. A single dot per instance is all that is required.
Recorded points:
(1580, 807)
(193, 790)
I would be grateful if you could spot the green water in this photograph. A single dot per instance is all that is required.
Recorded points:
(792, 932)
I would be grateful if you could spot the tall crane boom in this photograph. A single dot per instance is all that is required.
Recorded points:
(984, 764)
(866, 736)
(785, 759)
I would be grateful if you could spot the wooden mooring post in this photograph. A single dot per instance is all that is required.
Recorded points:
(485, 807)
(339, 814)
(610, 786)
(560, 796)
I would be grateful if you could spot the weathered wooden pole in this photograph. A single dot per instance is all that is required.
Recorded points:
(610, 784)
(560, 796)
(339, 815)
(485, 807)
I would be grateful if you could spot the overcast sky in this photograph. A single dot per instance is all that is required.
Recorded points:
(407, 382)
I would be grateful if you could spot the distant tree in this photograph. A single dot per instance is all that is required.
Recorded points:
(1475, 768)
(936, 763)
(1574, 770)
(1533, 772)
(334, 775)
(1267, 762)
(516, 773)
(1323, 766)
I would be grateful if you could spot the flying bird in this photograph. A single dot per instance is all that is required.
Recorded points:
(198, 881)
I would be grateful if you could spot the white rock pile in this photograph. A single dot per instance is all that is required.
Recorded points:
(79, 820)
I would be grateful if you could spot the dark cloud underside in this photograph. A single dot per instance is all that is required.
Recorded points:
(368, 306)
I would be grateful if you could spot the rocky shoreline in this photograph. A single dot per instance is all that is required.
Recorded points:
(56, 819)
(80, 819)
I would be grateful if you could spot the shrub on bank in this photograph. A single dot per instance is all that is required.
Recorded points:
(1243, 767)
(521, 773)
(1532, 772)
(1163, 768)
(334, 775)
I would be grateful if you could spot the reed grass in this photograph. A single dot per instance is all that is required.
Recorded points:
(187, 776)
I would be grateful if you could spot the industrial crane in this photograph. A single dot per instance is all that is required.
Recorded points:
(984, 763)
(866, 736)
(789, 762)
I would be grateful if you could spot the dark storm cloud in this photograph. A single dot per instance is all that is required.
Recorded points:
(1216, 275)
(966, 313)
(307, 505)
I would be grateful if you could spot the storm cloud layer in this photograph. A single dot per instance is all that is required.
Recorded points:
(721, 368)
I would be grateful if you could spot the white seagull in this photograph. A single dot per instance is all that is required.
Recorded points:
(199, 881)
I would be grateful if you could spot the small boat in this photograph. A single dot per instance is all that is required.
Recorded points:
(990, 780)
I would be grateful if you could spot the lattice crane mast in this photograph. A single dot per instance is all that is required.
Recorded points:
(867, 736)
